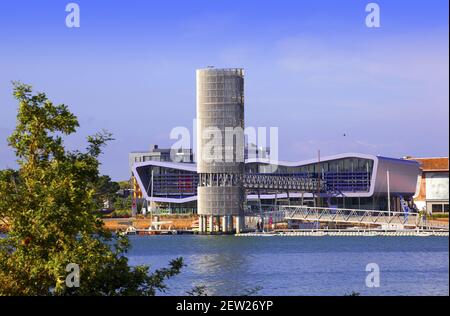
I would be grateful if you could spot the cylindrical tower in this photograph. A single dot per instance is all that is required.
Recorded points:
(220, 142)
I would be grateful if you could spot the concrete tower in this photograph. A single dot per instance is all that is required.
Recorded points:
(220, 148)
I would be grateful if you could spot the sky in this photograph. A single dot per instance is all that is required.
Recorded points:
(312, 68)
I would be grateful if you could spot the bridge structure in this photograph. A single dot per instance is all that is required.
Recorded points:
(355, 217)
(187, 183)
(298, 183)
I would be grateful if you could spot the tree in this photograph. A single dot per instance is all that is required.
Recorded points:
(125, 185)
(106, 190)
(47, 204)
(123, 203)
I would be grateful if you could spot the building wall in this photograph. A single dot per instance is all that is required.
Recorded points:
(436, 186)
(177, 183)
(432, 192)
(137, 193)
(220, 105)
(159, 154)
(220, 200)
(436, 191)
(403, 176)
(220, 110)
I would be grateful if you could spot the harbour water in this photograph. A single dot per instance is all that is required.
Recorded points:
(228, 265)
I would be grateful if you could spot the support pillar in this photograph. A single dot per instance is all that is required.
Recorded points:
(211, 224)
(204, 228)
(240, 223)
(217, 223)
(200, 224)
(225, 224)
(231, 223)
(205, 224)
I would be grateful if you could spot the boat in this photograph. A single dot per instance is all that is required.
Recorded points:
(156, 228)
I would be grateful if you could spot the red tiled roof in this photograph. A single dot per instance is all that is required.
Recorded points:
(432, 164)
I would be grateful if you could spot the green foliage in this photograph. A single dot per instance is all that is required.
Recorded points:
(125, 185)
(48, 206)
(439, 215)
(106, 190)
(123, 204)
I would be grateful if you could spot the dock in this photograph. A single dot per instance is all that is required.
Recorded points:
(348, 233)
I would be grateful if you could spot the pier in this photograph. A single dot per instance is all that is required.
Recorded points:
(375, 218)
(349, 233)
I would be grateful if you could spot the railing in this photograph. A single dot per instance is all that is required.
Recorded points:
(434, 225)
(282, 182)
(171, 211)
(185, 184)
(354, 216)
(341, 215)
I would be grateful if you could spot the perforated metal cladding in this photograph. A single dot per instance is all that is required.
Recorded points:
(220, 201)
(220, 140)
(220, 113)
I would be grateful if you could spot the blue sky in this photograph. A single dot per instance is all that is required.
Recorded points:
(313, 69)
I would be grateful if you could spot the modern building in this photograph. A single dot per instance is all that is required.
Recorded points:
(351, 180)
(224, 184)
(220, 165)
(163, 154)
(432, 188)
(159, 154)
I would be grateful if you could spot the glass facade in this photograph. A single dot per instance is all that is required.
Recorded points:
(175, 183)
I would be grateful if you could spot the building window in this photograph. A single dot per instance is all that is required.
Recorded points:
(436, 208)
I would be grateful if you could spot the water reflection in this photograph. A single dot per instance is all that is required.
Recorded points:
(299, 266)
(221, 272)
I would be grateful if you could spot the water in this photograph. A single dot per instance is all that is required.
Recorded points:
(229, 265)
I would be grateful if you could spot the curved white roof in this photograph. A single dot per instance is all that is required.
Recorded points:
(404, 173)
